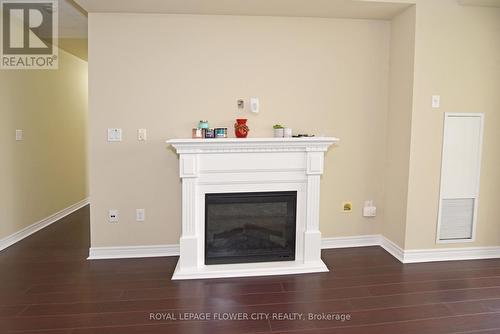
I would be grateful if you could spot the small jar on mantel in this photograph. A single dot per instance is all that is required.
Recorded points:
(197, 133)
(203, 124)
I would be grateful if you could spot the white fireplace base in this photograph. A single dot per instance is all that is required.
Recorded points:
(249, 269)
(250, 165)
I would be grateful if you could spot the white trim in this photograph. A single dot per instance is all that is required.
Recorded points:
(252, 144)
(392, 248)
(35, 227)
(460, 241)
(438, 254)
(476, 195)
(173, 250)
(351, 241)
(125, 252)
(364, 241)
(404, 256)
(450, 254)
(250, 269)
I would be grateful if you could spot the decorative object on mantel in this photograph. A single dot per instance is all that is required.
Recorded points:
(241, 128)
(200, 131)
(279, 130)
(300, 135)
(204, 131)
(282, 132)
(209, 133)
(197, 133)
(203, 125)
(220, 133)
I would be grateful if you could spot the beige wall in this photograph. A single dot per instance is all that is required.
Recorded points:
(166, 72)
(457, 55)
(45, 172)
(399, 125)
(323, 76)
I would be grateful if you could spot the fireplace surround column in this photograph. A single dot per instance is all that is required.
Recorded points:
(189, 238)
(312, 236)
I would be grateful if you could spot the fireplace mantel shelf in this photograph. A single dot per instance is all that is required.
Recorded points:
(310, 144)
(233, 165)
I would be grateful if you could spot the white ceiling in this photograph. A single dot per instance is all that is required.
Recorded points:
(486, 3)
(304, 8)
(73, 13)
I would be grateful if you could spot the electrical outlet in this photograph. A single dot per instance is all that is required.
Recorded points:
(369, 210)
(113, 216)
(347, 207)
(142, 134)
(140, 215)
(114, 134)
(19, 135)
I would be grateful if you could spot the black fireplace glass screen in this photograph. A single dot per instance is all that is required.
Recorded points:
(250, 227)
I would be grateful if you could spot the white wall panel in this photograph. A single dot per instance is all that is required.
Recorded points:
(461, 163)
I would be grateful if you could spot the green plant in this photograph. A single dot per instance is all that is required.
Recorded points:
(278, 126)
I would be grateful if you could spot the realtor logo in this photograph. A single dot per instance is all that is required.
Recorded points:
(29, 32)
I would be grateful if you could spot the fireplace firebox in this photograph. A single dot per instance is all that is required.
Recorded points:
(250, 227)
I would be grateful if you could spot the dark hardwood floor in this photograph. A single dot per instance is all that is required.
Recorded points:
(48, 286)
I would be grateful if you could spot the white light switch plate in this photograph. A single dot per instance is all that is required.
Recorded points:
(19, 135)
(140, 215)
(114, 134)
(254, 104)
(436, 101)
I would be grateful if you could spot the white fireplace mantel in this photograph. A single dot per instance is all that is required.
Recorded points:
(232, 165)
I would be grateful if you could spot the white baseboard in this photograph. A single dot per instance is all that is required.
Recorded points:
(392, 248)
(123, 252)
(352, 241)
(29, 230)
(450, 254)
(404, 256)
(364, 241)
(126, 252)
(438, 254)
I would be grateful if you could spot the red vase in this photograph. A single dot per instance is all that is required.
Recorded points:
(241, 128)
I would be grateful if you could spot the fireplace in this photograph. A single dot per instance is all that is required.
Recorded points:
(250, 207)
(250, 227)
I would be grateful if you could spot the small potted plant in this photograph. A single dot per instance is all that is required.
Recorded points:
(279, 131)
